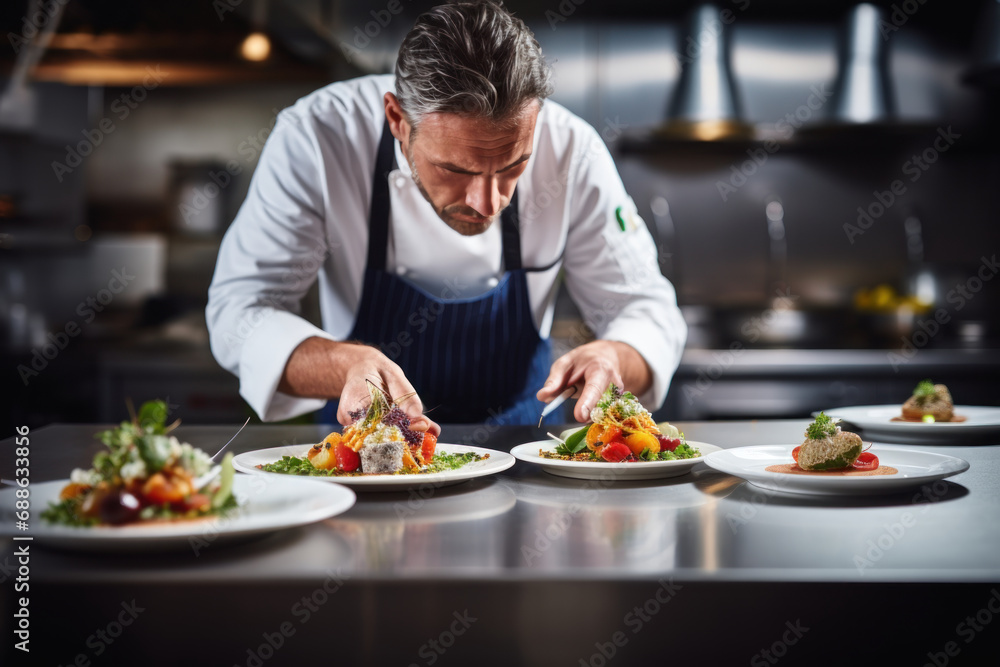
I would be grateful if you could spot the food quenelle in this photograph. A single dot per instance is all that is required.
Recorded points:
(929, 403)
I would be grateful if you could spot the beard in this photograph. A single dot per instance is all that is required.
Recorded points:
(447, 213)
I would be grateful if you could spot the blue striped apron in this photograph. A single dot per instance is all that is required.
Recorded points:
(476, 359)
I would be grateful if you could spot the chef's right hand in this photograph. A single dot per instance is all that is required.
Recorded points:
(367, 363)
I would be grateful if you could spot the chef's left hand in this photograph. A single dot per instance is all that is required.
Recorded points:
(591, 368)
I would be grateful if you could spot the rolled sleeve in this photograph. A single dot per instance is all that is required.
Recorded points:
(275, 335)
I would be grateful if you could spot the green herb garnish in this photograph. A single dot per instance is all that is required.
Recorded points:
(683, 451)
(925, 391)
(621, 404)
(442, 461)
(823, 427)
(575, 443)
(67, 512)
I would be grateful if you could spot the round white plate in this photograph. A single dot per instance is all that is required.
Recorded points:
(612, 472)
(497, 462)
(916, 468)
(266, 506)
(876, 421)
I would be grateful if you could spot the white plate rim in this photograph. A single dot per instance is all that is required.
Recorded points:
(496, 463)
(525, 452)
(721, 461)
(316, 503)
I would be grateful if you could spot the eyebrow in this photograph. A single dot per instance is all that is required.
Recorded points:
(459, 170)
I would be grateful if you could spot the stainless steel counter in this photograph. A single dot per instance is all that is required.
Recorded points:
(551, 568)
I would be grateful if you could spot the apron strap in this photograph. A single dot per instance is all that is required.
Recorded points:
(378, 215)
(511, 235)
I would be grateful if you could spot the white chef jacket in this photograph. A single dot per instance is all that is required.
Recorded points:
(306, 216)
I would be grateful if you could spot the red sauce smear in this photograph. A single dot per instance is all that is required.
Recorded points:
(955, 418)
(794, 469)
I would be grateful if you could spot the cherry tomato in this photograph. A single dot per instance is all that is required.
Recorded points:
(867, 461)
(795, 453)
(348, 460)
(612, 434)
(615, 451)
(427, 447)
(166, 488)
(669, 444)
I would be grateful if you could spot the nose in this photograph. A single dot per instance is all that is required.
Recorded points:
(483, 195)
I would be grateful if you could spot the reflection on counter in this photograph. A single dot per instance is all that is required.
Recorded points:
(387, 531)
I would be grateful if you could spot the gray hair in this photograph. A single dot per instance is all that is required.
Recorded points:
(474, 59)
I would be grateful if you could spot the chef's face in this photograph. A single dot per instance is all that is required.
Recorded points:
(467, 167)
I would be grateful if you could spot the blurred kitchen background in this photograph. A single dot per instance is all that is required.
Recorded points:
(821, 177)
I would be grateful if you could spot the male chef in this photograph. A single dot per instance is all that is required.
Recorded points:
(439, 208)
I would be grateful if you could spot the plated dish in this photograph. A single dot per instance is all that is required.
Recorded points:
(378, 442)
(606, 471)
(928, 416)
(487, 462)
(878, 422)
(145, 475)
(262, 509)
(620, 430)
(621, 442)
(830, 450)
(930, 403)
(914, 468)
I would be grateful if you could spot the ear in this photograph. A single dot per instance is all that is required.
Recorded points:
(398, 124)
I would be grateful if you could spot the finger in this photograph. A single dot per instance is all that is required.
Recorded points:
(422, 423)
(597, 381)
(353, 397)
(410, 403)
(556, 382)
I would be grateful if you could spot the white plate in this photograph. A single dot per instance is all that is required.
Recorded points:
(497, 462)
(266, 506)
(876, 421)
(610, 472)
(916, 468)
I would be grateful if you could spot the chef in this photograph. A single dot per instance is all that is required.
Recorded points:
(439, 208)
